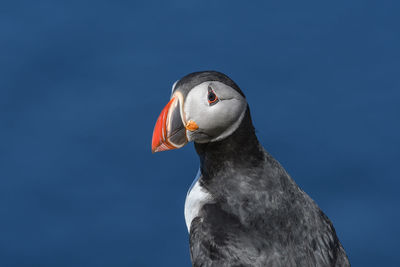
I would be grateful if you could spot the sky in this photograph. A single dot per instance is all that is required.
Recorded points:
(83, 82)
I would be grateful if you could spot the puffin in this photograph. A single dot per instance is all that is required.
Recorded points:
(243, 208)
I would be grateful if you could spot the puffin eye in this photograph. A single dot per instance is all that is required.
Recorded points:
(212, 97)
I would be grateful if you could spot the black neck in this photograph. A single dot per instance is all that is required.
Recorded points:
(241, 150)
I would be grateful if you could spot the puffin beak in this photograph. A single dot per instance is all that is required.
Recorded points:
(169, 131)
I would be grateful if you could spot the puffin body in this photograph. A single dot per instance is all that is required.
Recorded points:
(243, 209)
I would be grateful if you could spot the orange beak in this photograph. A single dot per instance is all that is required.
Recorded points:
(169, 131)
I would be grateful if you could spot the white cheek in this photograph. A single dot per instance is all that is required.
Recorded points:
(225, 113)
(196, 104)
(228, 118)
(219, 120)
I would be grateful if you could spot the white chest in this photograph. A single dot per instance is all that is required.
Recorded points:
(196, 197)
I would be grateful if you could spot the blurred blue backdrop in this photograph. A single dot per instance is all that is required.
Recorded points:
(82, 84)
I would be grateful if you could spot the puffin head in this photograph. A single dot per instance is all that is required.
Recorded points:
(204, 107)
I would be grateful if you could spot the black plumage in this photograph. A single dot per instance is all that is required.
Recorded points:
(259, 216)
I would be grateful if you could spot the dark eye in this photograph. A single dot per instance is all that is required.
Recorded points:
(212, 97)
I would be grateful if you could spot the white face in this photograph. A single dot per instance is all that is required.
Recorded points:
(216, 119)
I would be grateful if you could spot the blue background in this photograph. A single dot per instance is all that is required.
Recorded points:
(82, 84)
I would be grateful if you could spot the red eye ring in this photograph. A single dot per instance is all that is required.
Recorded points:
(211, 97)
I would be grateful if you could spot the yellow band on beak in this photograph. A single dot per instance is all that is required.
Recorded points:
(191, 126)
